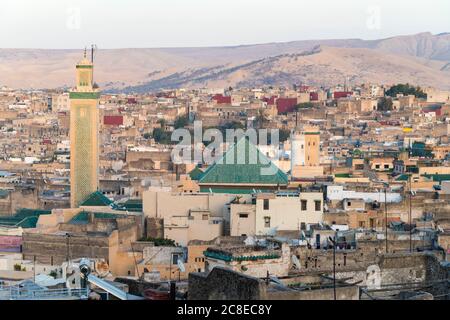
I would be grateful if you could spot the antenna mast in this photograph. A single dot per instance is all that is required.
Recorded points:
(93, 50)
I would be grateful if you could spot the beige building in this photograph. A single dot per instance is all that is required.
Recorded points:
(436, 96)
(188, 216)
(382, 164)
(198, 225)
(434, 170)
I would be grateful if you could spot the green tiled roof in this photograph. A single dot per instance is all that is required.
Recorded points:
(84, 95)
(25, 218)
(196, 173)
(342, 175)
(4, 193)
(402, 177)
(83, 217)
(233, 190)
(96, 199)
(237, 168)
(134, 205)
(438, 177)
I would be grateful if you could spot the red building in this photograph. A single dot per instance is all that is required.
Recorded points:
(113, 120)
(342, 94)
(220, 99)
(313, 96)
(131, 101)
(286, 104)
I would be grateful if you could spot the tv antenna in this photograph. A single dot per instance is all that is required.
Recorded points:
(93, 52)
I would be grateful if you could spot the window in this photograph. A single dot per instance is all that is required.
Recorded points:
(386, 166)
(204, 217)
(303, 226)
(349, 203)
(175, 258)
(318, 205)
(266, 204)
(243, 215)
(266, 222)
(304, 203)
(377, 166)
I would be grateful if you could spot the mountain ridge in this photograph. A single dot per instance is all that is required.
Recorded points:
(421, 59)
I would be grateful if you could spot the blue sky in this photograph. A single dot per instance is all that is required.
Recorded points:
(179, 23)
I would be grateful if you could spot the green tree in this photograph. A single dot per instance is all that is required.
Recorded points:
(284, 134)
(162, 123)
(406, 89)
(161, 136)
(181, 122)
(384, 104)
(232, 125)
(304, 105)
(159, 242)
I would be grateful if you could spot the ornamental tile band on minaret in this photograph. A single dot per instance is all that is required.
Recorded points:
(84, 120)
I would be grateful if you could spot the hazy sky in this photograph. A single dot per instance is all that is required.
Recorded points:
(178, 23)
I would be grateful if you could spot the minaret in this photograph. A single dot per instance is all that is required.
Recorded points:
(84, 120)
(305, 147)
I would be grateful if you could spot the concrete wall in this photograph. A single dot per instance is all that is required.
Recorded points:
(242, 219)
(167, 204)
(286, 213)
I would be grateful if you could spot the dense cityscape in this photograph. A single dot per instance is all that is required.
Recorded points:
(224, 159)
(356, 205)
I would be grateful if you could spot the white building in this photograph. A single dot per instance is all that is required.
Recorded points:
(271, 212)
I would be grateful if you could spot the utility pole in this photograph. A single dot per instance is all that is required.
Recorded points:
(334, 264)
(410, 214)
(386, 218)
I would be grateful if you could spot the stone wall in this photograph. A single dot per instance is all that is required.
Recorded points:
(154, 227)
(223, 284)
(342, 293)
(53, 249)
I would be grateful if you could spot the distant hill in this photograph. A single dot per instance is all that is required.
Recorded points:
(422, 59)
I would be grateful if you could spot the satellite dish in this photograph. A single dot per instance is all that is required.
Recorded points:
(272, 232)
(303, 234)
(250, 241)
(296, 262)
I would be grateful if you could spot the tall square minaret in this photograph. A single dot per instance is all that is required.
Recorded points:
(84, 119)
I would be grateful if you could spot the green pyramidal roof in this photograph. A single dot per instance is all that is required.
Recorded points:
(96, 199)
(243, 163)
(196, 173)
